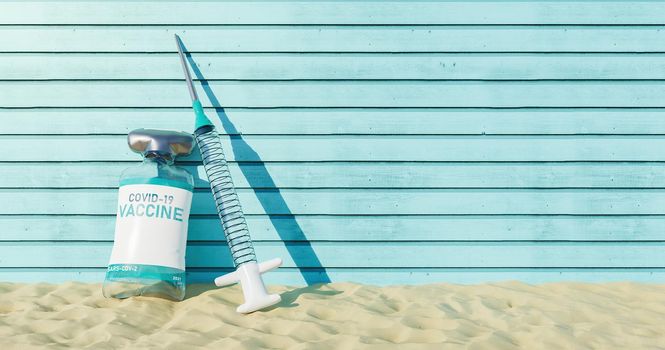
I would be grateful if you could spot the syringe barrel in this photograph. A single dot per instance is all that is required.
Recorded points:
(225, 195)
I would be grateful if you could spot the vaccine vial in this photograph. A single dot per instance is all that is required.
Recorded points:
(154, 202)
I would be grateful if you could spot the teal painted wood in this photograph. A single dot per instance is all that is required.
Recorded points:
(379, 276)
(288, 66)
(359, 175)
(322, 121)
(341, 228)
(339, 94)
(337, 12)
(334, 38)
(365, 202)
(367, 254)
(523, 144)
(407, 148)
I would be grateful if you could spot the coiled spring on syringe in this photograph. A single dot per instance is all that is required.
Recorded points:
(226, 198)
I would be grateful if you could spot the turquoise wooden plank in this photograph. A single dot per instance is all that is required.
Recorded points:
(368, 201)
(366, 254)
(299, 121)
(378, 276)
(61, 214)
(332, 12)
(359, 175)
(361, 228)
(375, 276)
(285, 66)
(338, 94)
(356, 148)
(241, 38)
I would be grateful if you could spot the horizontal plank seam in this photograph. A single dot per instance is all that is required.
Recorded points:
(355, 136)
(329, 24)
(337, 80)
(344, 107)
(201, 189)
(414, 190)
(362, 134)
(209, 243)
(296, 242)
(371, 268)
(360, 268)
(178, 26)
(337, 108)
(337, 162)
(391, 54)
(365, 162)
(341, 52)
(507, 215)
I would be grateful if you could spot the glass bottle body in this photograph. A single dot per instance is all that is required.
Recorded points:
(148, 257)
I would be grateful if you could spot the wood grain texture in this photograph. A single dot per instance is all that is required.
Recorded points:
(429, 141)
(332, 12)
(375, 276)
(334, 38)
(365, 202)
(366, 254)
(345, 228)
(337, 94)
(358, 175)
(413, 148)
(329, 66)
(342, 121)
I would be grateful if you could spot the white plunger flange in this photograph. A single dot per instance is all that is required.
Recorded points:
(253, 288)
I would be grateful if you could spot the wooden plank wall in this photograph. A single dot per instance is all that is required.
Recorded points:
(378, 142)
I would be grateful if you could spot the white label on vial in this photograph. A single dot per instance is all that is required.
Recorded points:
(151, 225)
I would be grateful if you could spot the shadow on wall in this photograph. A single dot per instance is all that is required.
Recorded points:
(286, 225)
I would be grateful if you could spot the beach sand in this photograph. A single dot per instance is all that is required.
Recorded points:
(506, 315)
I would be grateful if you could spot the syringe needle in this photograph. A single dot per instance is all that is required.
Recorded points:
(188, 77)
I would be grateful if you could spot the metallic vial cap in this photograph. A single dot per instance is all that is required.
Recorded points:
(163, 142)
